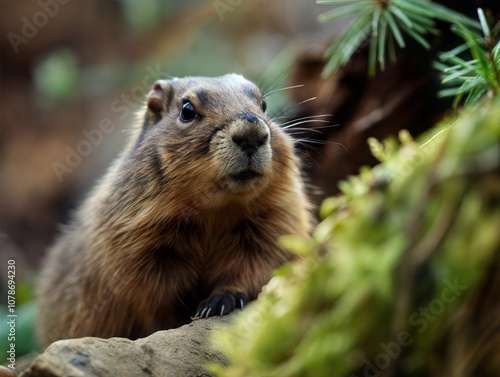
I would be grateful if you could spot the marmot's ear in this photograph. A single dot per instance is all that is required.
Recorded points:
(159, 97)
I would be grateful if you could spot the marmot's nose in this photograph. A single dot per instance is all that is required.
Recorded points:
(251, 135)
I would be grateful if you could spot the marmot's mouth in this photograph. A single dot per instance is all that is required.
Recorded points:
(245, 175)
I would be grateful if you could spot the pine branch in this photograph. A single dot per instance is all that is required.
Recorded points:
(479, 76)
(386, 23)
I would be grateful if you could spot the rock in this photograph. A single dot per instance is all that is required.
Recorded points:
(171, 353)
(6, 372)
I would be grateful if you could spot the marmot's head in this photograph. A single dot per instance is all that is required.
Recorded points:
(211, 137)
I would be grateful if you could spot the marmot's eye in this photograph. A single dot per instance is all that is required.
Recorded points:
(187, 113)
(264, 105)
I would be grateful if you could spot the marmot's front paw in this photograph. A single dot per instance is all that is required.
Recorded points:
(220, 304)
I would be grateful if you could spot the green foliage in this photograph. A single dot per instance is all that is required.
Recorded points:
(56, 76)
(424, 220)
(478, 77)
(142, 15)
(385, 22)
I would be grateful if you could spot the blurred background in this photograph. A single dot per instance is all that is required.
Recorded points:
(68, 65)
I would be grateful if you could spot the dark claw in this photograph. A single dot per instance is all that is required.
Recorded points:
(203, 313)
(241, 299)
(221, 304)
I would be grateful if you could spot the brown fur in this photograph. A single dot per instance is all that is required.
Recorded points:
(166, 229)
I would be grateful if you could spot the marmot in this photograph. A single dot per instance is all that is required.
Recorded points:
(186, 222)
